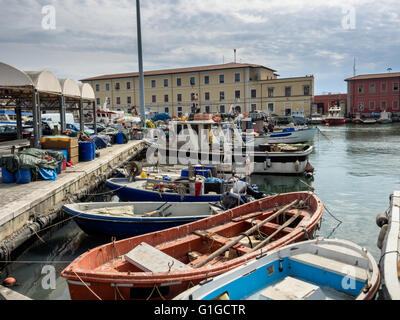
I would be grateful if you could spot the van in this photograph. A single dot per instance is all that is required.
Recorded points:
(56, 118)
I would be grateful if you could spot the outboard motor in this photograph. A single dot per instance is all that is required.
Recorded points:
(230, 200)
(255, 194)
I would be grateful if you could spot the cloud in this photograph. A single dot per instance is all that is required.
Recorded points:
(296, 38)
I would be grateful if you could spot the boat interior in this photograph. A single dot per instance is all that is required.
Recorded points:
(196, 248)
(319, 274)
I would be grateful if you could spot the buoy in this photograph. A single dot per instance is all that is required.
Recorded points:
(9, 282)
(381, 219)
(327, 124)
(143, 175)
(381, 236)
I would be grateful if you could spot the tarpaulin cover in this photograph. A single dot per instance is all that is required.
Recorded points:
(161, 117)
(48, 174)
(101, 141)
(32, 159)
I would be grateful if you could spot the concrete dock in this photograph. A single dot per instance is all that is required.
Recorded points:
(19, 203)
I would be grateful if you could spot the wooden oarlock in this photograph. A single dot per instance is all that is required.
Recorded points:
(243, 235)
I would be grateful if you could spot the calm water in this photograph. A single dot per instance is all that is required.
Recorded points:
(356, 169)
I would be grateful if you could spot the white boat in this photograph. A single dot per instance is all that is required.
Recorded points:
(316, 118)
(389, 262)
(385, 117)
(312, 270)
(335, 116)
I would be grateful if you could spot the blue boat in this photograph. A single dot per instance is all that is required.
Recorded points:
(165, 191)
(321, 269)
(129, 219)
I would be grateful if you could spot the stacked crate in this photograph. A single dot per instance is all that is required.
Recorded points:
(63, 143)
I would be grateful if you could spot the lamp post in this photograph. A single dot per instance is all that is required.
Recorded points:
(140, 58)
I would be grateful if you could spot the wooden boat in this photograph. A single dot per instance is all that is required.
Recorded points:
(369, 121)
(357, 119)
(389, 237)
(128, 219)
(163, 264)
(311, 270)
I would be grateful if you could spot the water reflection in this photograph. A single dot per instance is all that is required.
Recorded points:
(272, 184)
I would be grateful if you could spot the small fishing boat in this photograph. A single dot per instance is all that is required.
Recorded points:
(357, 119)
(316, 118)
(385, 118)
(369, 121)
(388, 242)
(163, 264)
(335, 116)
(312, 270)
(129, 219)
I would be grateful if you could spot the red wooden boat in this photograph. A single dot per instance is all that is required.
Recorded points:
(161, 265)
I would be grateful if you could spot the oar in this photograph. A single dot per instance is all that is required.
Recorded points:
(243, 235)
(265, 241)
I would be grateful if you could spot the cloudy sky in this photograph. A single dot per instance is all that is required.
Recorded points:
(294, 37)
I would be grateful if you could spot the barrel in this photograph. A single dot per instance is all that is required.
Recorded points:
(119, 138)
(87, 151)
(23, 176)
(6, 176)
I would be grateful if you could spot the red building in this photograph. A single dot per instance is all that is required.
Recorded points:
(372, 93)
(323, 102)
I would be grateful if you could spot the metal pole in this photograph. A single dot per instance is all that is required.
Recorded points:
(62, 114)
(18, 113)
(94, 117)
(36, 120)
(81, 123)
(140, 57)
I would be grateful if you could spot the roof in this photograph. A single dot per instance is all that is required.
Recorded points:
(231, 65)
(45, 81)
(374, 76)
(12, 77)
(87, 92)
(70, 87)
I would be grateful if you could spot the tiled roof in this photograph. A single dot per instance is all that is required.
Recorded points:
(374, 76)
(231, 65)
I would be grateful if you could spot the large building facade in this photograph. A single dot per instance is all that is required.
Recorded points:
(208, 89)
(373, 93)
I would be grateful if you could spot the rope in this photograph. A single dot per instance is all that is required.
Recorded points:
(380, 260)
(119, 293)
(86, 285)
(152, 291)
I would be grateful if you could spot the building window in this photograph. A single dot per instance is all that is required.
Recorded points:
(306, 90)
(207, 96)
(107, 87)
(128, 100)
(361, 88)
(395, 86)
(237, 77)
(166, 110)
(237, 94)
(383, 105)
(117, 86)
(253, 93)
(253, 107)
(206, 79)
(288, 91)
(192, 81)
(372, 88)
(221, 78)
(383, 86)
(361, 106)
(395, 105)
(153, 98)
(179, 111)
(166, 98)
(270, 92)
(98, 101)
(165, 82)
(372, 105)
(153, 83)
(207, 109)
(179, 97)
(118, 100)
(270, 108)
(222, 95)
(97, 87)
(178, 82)
(222, 108)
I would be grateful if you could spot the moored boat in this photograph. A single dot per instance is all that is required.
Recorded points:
(128, 219)
(385, 118)
(369, 121)
(388, 242)
(335, 116)
(163, 264)
(312, 270)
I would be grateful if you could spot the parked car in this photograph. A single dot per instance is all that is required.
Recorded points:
(100, 127)
(47, 127)
(9, 132)
(76, 127)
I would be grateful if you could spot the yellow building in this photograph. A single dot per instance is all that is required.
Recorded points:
(212, 89)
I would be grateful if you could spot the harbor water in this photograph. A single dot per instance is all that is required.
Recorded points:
(355, 172)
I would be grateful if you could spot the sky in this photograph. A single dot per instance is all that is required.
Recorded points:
(84, 38)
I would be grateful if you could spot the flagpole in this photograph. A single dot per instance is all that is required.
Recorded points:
(140, 58)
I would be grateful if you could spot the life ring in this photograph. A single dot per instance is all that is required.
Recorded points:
(217, 118)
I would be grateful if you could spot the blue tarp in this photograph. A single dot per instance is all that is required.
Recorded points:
(48, 174)
(161, 117)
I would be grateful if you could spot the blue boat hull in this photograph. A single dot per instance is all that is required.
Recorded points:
(125, 227)
(138, 195)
